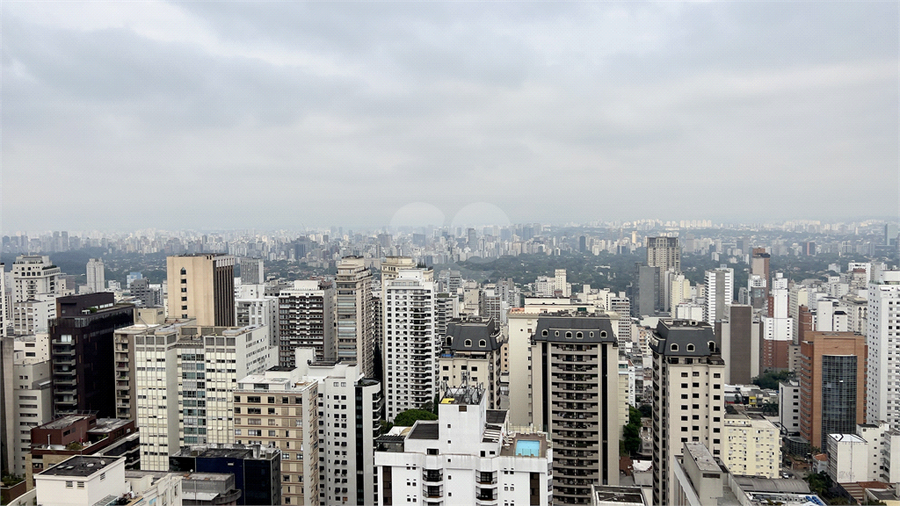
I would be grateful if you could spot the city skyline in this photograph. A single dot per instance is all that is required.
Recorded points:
(376, 115)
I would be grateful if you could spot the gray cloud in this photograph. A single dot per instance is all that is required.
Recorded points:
(275, 114)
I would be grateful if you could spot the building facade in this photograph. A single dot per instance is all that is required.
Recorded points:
(201, 287)
(688, 398)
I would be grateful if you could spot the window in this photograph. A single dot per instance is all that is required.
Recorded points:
(482, 343)
(690, 347)
(673, 347)
(70, 484)
(468, 343)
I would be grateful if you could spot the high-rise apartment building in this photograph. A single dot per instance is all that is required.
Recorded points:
(183, 382)
(664, 252)
(355, 331)
(832, 380)
(883, 339)
(575, 398)
(201, 287)
(281, 396)
(719, 293)
(252, 271)
(350, 408)
(96, 275)
(759, 265)
(306, 319)
(411, 346)
(81, 352)
(688, 397)
(471, 356)
(740, 344)
(33, 275)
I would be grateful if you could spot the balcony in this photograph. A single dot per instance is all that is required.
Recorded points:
(433, 475)
(434, 492)
(487, 478)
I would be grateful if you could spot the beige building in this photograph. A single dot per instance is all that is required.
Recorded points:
(751, 446)
(201, 287)
(280, 409)
(355, 330)
(688, 397)
(471, 357)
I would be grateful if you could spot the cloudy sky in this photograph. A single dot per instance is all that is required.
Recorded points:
(206, 115)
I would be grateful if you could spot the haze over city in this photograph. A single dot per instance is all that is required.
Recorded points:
(274, 115)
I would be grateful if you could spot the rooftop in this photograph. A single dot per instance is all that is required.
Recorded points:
(701, 455)
(627, 495)
(80, 466)
(108, 425)
(424, 430)
(65, 421)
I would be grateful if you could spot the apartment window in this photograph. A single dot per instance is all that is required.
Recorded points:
(70, 484)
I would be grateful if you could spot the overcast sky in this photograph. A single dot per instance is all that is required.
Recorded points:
(208, 115)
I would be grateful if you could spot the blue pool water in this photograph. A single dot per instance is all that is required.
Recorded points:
(528, 448)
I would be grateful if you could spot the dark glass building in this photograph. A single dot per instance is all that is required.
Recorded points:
(81, 353)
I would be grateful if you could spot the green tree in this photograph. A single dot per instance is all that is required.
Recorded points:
(632, 432)
(408, 418)
(769, 380)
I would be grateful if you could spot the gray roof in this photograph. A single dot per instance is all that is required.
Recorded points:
(568, 328)
(496, 416)
(754, 484)
(682, 333)
(80, 466)
(467, 335)
(424, 430)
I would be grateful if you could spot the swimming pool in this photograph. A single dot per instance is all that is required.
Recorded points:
(528, 448)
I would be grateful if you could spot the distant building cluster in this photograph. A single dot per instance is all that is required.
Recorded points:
(391, 379)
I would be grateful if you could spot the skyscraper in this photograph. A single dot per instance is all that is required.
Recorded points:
(688, 400)
(306, 319)
(96, 275)
(252, 271)
(882, 338)
(574, 396)
(719, 293)
(832, 385)
(202, 287)
(663, 252)
(411, 347)
(355, 331)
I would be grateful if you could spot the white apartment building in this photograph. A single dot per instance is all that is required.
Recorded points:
(184, 381)
(33, 406)
(32, 316)
(719, 293)
(872, 454)
(751, 446)
(411, 346)
(467, 456)
(96, 276)
(80, 480)
(253, 307)
(33, 275)
(789, 405)
(350, 407)
(883, 342)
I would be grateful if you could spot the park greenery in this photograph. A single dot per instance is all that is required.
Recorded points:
(769, 380)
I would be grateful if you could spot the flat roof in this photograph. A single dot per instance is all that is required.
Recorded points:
(109, 424)
(629, 495)
(424, 430)
(66, 421)
(701, 455)
(80, 466)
